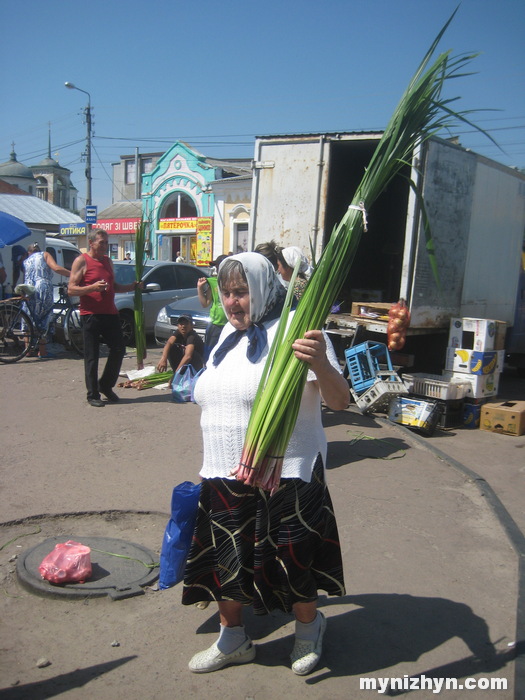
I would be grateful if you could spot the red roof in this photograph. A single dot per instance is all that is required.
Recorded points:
(6, 188)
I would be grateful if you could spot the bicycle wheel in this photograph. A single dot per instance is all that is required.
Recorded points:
(17, 334)
(73, 330)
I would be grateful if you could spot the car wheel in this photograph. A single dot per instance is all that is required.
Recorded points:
(127, 323)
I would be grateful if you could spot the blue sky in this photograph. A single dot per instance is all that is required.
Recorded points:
(216, 74)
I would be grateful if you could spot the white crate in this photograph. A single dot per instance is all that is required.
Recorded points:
(378, 397)
(436, 386)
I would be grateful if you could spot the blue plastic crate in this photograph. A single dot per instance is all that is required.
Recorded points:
(364, 362)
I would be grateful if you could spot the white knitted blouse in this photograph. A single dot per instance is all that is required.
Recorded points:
(226, 393)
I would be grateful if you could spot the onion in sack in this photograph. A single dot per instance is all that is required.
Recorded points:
(399, 320)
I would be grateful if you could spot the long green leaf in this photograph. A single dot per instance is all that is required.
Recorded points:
(421, 113)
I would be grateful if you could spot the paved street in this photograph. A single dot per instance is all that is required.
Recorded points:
(430, 528)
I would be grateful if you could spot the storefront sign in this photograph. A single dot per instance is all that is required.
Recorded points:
(118, 226)
(204, 231)
(187, 224)
(72, 229)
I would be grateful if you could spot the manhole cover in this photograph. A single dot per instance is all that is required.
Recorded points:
(120, 569)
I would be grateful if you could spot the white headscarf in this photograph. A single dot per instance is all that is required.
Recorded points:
(292, 254)
(265, 289)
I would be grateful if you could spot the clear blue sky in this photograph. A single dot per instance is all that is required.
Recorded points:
(216, 74)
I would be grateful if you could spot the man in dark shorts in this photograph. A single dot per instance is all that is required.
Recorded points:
(185, 347)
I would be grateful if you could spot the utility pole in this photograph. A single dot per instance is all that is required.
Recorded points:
(89, 134)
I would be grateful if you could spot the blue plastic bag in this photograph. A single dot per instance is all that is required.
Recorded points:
(178, 534)
(183, 383)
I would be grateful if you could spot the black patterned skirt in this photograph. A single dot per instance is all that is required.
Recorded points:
(269, 552)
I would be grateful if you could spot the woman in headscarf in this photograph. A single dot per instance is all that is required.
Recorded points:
(286, 261)
(38, 272)
(250, 548)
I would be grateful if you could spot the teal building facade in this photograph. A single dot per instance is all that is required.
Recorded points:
(178, 202)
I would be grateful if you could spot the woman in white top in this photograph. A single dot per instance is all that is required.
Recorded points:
(249, 548)
(286, 261)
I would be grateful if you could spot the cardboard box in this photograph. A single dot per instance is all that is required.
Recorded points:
(471, 415)
(374, 310)
(474, 361)
(481, 386)
(480, 334)
(507, 417)
(415, 413)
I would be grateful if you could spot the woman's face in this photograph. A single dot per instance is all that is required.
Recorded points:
(284, 271)
(236, 301)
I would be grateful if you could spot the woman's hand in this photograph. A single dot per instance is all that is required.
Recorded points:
(201, 282)
(332, 385)
(311, 349)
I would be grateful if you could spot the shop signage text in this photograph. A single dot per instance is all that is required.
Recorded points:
(115, 226)
(72, 229)
(187, 224)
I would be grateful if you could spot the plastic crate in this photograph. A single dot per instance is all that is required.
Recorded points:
(364, 362)
(387, 386)
(451, 414)
(416, 414)
(435, 386)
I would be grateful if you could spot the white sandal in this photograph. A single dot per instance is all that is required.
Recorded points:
(306, 654)
(213, 659)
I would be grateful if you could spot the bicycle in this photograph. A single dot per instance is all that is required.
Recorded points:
(18, 335)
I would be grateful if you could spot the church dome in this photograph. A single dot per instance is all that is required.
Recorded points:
(12, 168)
(49, 163)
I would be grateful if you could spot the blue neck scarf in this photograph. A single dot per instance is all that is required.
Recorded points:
(257, 337)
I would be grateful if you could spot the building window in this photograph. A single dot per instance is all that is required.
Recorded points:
(179, 206)
(240, 237)
(41, 188)
(60, 194)
(146, 165)
(131, 172)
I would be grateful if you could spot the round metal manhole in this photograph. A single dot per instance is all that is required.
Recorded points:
(119, 569)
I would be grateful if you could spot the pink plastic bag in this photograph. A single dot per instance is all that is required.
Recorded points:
(68, 562)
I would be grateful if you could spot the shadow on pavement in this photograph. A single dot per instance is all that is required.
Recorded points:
(380, 631)
(62, 683)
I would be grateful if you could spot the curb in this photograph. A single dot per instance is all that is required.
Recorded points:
(515, 536)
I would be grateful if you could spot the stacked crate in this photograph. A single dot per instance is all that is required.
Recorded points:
(374, 383)
(442, 398)
(475, 354)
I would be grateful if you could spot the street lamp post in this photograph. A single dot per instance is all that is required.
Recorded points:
(87, 112)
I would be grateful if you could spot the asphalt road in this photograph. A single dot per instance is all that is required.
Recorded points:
(430, 529)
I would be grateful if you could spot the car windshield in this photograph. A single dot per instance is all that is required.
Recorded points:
(124, 274)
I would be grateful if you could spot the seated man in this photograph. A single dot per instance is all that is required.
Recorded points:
(185, 347)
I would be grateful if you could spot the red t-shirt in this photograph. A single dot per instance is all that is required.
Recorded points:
(98, 302)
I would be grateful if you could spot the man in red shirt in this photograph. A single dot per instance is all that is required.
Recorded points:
(93, 280)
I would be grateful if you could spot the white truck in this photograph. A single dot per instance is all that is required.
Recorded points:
(303, 185)
(64, 252)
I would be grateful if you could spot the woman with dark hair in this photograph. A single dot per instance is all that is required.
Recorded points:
(250, 548)
(269, 250)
